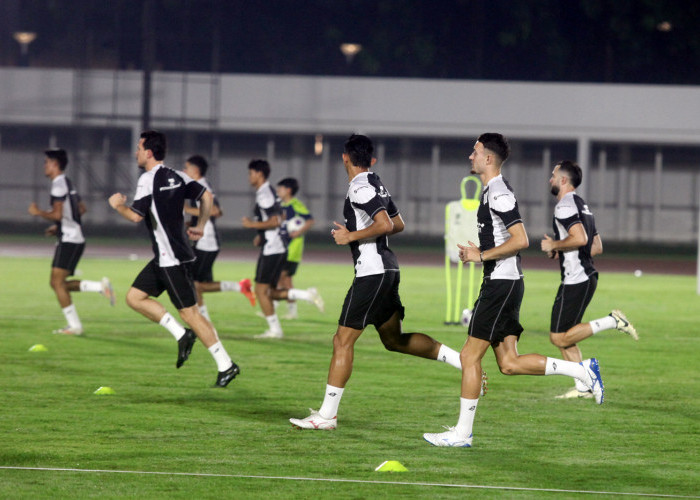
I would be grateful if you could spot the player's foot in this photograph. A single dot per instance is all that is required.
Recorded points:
(269, 334)
(184, 347)
(316, 299)
(247, 291)
(448, 438)
(290, 316)
(595, 382)
(623, 324)
(315, 421)
(484, 384)
(575, 393)
(69, 330)
(223, 379)
(108, 291)
(260, 314)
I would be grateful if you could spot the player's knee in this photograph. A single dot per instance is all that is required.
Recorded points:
(558, 339)
(507, 367)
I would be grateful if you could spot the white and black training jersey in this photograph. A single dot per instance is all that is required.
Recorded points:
(69, 227)
(576, 265)
(366, 197)
(209, 242)
(497, 212)
(267, 205)
(160, 198)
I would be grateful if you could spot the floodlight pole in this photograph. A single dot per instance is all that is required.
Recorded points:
(148, 56)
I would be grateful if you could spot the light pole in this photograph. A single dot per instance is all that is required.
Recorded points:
(24, 38)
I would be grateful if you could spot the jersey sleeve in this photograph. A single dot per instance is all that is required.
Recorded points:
(366, 198)
(301, 210)
(59, 191)
(193, 189)
(143, 196)
(505, 206)
(567, 215)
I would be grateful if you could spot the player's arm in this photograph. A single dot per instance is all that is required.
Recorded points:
(575, 238)
(381, 225)
(596, 246)
(205, 204)
(399, 224)
(215, 211)
(54, 214)
(271, 223)
(518, 241)
(118, 202)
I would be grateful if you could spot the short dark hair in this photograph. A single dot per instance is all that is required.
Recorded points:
(291, 183)
(496, 143)
(155, 141)
(572, 171)
(59, 155)
(360, 150)
(260, 166)
(200, 162)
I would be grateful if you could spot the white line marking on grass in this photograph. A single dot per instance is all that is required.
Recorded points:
(336, 480)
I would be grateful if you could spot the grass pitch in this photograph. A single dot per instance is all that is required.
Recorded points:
(238, 442)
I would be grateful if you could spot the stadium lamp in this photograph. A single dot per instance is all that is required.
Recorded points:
(664, 26)
(318, 145)
(350, 50)
(24, 38)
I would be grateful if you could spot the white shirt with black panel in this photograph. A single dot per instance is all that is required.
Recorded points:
(576, 265)
(366, 197)
(267, 205)
(497, 212)
(69, 227)
(160, 198)
(209, 242)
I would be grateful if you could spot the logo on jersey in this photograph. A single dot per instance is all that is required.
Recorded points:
(383, 192)
(586, 210)
(171, 185)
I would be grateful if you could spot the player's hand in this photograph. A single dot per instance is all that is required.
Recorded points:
(51, 230)
(257, 241)
(117, 200)
(195, 233)
(547, 245)
(470, 253)
(551, 254)
(340, 234)
(34, 209)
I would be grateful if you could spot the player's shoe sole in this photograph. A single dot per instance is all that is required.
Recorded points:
(67, 330)
(267, 334)
(575, 393)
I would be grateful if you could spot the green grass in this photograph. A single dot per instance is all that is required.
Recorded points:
(644, 439)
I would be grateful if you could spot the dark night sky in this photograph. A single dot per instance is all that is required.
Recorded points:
(544, 40)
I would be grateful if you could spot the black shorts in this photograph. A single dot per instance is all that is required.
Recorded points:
(269, 268)
(570, 304)
(177, 280)
(67, 255)
(497, 310)
(372, 300)
(290, 268)
(202, 267)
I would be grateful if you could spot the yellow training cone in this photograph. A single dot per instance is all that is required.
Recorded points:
(103, 391)
(38, 348)
(391, 466)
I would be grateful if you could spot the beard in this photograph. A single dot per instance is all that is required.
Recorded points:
(555, 190)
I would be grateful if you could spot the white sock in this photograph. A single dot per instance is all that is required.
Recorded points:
(90, 286)
(72, 317)
(204, 312)
(449, 356)
(568, 368)
(230, 286)
(273, 323)
(172, 325)
(606, 323)
(275, 304)
(292, 308)
(296, 294)
(467, 410)
(223, 360)
(331, 400)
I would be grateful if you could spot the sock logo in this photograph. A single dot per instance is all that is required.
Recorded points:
(472, 408)
(444, 358)
(554, 366)
(332, 394)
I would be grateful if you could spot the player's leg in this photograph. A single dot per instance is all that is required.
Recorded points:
(285, 283)
(266, 276)
(285, 291)
(326, 418)
(461, 434)
(65, 261)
